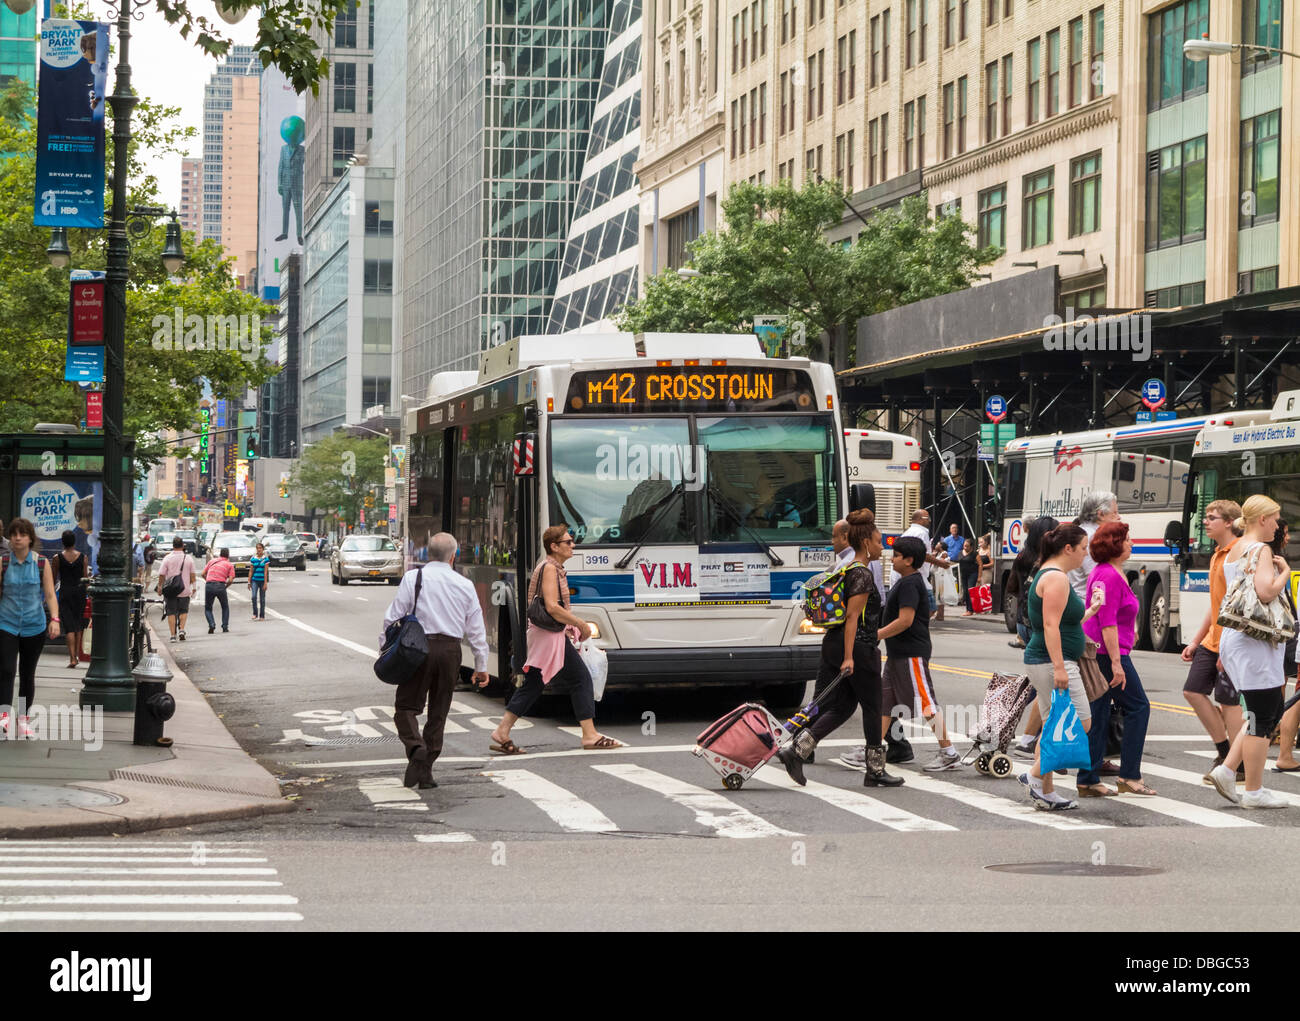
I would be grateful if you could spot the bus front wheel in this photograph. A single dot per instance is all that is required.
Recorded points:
(1158, 629)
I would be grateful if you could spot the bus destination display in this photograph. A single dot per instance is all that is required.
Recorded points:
(690, 388)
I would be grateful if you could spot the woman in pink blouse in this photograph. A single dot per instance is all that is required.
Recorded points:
(1114, 629)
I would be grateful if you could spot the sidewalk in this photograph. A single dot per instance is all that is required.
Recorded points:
(84, 776)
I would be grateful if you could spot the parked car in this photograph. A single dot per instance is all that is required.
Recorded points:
(190, 538)
(285, 551)
(372, 557)
(242, 548)
(311, 543)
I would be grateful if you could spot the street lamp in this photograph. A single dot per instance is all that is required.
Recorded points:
(1203, 49)
(57, 252)
(688, 274)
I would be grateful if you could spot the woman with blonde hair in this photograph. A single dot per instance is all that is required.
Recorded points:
(1254, 664)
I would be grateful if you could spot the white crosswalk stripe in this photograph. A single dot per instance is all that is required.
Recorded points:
(571, 812)
(80, 881)
(859, 804)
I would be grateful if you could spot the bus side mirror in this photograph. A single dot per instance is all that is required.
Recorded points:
(862, 495)
(1174, 536)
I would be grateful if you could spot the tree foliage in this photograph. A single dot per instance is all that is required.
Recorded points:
(773, 258)
(163, 387)
(338, 471)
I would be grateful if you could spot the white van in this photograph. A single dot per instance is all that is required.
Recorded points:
(262, 526)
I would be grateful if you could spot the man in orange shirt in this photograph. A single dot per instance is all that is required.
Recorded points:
(1221, 721)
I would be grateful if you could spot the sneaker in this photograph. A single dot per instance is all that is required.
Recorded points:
(1218, 761)
(1023, 749)
(1052, 802)
(1224, 782)
(181, 634)
(946, 759)
(171, 638)
(1263, 799)
(856, 757)
(25, 728)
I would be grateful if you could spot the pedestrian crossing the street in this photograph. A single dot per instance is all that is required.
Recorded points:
(98, 882)
(618, 793)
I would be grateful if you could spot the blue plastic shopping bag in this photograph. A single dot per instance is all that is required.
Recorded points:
(1064, 742)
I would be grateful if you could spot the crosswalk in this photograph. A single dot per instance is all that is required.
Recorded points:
(632, 793)
(173, 882)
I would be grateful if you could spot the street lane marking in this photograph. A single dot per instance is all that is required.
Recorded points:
(388, 792)
(861, 805)
(362, 598)
(1020, 811)
(196, 848)
(114, 858)
(191, 884)
(1197, 780)
(1197, 815)
(445, 838)
(354, 646)
(150, 916)
(280, 899)
(88, 871)
(566, 808)
(712, 810)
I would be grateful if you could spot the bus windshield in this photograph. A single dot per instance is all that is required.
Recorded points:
(641, 480)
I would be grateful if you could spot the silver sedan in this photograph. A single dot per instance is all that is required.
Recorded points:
(368, 557)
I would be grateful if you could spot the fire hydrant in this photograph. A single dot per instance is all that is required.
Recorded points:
(153, 706)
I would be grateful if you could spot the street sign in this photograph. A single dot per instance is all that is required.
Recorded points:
(392, 512)
(231, 510)
(84, 365)
(1165, 416)
(1143, 416)
(1153, 393)
(86, 312)
(993, 437)
(996, 408)
(94, 409)
(399, 461)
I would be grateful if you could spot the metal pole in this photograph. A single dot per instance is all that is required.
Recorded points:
(108, 681)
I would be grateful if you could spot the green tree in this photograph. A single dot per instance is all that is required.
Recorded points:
(339, 471)
(163, 508)
(163, 385)
(773, 258)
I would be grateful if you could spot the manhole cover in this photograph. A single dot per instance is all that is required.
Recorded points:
(1074, 868)
(35, 795)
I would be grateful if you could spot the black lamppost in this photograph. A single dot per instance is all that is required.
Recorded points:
(108, 682)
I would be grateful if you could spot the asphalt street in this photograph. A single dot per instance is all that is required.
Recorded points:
(645, 836)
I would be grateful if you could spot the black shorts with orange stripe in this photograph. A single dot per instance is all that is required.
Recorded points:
(908, 684)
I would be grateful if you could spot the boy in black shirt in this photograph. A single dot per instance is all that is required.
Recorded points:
(906, 677)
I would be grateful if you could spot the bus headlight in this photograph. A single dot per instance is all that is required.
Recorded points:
(595, 628)
(807, 627)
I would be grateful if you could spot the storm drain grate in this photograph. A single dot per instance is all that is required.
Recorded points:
(353, 742)
(1074, 868)
(167, 781)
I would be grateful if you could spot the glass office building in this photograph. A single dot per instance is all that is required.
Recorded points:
(20, 48)
(502, 100)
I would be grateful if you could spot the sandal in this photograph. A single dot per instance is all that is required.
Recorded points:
(1096, 790)
(506, 747)
(1135, 787)
(603, 744)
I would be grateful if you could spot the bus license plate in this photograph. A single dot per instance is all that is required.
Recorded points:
(816, 556)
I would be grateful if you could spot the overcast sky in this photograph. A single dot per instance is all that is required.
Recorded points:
(171, 70)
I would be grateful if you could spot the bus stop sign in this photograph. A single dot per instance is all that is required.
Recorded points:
(1153, 393)
(996, 408)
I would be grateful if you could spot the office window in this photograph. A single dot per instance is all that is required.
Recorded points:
(1006, 8)
(733, 129)
(370, 85)
(963, 10)
(735, 43)
(812, 13)
(744, 37)
(909, 36)
(961, 114)
(991, 98)
(873, 70)
(345, 26)
(821, 80)
(753, 118)
(668, 86)
(841, 69)
(945, 209)
(1036, 209)
(814, 164)
(762, 113)
(781, 128)
(753, 29)
(873, 150)
(1171, 77)
(1257, 280)
(949, 22)
(785, 21)
(925, 23)
(884, 146)
(1173, 297)
(377, 276)
(909, 136)
(1260, 151)
(1033, 79)
(1085, 194)
(991, 17)
(920, 132)
(1261, 25)
(345, 88)
(839, 161)
(850, 146)
(682, 90)
(744, 121)
(1053, 72)
(1097, 56)
(1176, 194)
(1006, 94)
(992, 223)
(345, 145)
(949, 112)
(1074, 94)
(762, 36)
(884, 45)
(853, 63)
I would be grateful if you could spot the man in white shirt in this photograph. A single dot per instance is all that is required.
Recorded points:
(920, 528)
(449, 611)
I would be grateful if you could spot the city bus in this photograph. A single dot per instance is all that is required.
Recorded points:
(1146, 466)
(700, 479)
(1234, 459)
(891, 464)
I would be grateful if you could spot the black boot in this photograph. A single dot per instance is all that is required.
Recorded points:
(900, 750)
(793, 765)
(417, 765)
(876, 775)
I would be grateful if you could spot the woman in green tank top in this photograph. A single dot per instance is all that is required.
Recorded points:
(1056, 616)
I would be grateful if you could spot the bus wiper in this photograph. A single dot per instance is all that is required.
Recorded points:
(727, 505)
(578, 521)
(659, 509)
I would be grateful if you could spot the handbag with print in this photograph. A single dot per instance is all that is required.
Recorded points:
(1242, 609)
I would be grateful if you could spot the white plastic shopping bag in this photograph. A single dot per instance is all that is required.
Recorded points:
(597, 664)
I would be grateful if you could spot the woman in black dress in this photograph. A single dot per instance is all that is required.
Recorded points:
(72, 567)
(968, 565)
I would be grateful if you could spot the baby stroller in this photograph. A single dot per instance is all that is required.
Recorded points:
(1004, 704)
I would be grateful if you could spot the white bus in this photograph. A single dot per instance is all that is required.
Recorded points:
(891, 463)
(700, 479)
(1239, 456)
(1146, 466)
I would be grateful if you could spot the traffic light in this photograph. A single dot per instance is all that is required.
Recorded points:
(250, 446)
(370, 500)
(284, 491)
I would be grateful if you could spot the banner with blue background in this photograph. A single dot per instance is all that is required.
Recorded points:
(70, 124)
